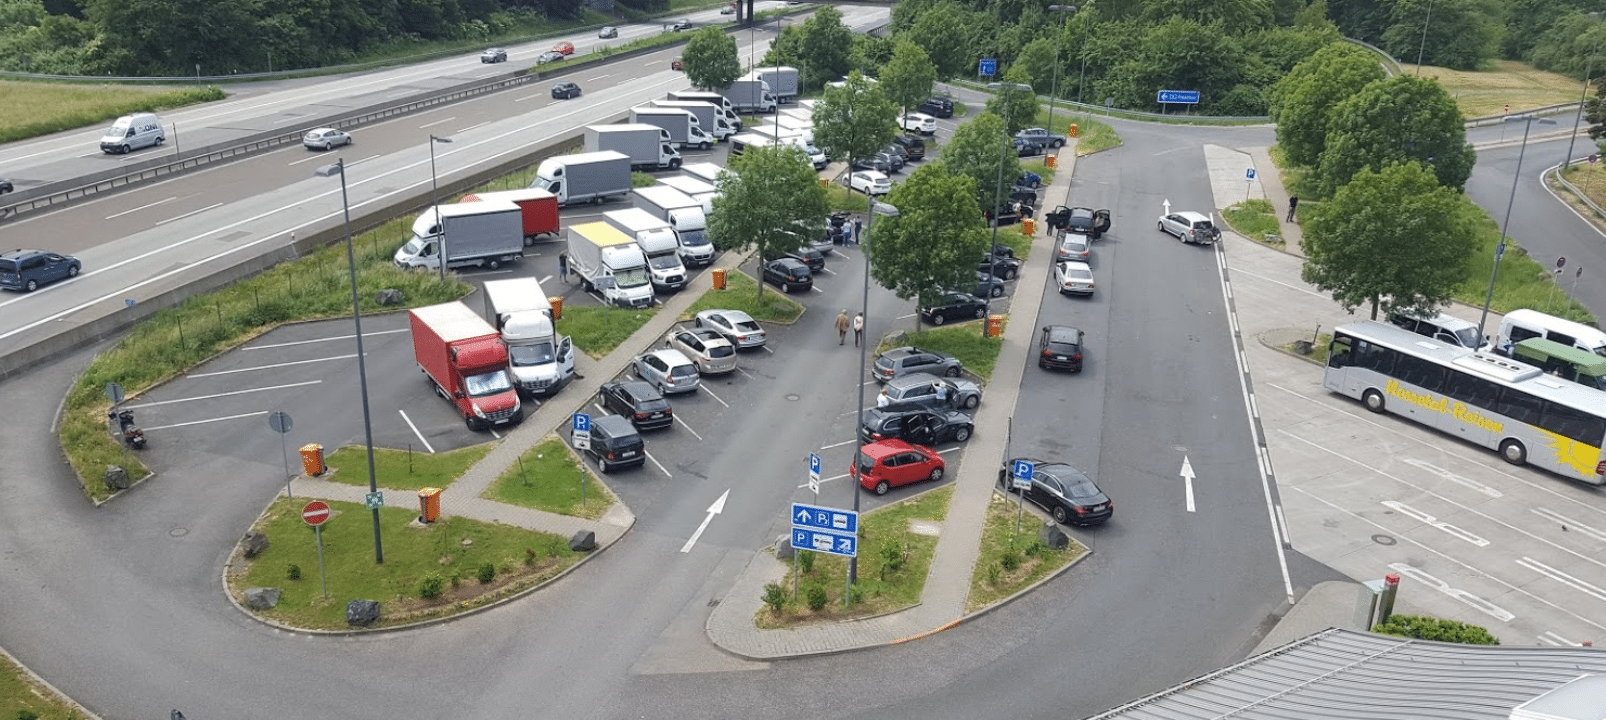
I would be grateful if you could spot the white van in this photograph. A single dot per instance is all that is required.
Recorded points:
(132, 132)
(1441, 327)
(1519, 325)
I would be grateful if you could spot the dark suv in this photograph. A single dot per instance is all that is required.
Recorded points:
(26, 270)
(638, 401)
(1060, 348)
(914, 145)
(615, 443)
(938, 107)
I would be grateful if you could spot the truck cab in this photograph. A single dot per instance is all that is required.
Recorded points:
(541, 360)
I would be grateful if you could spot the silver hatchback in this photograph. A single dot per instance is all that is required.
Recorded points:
(668, 370)
(709, 350)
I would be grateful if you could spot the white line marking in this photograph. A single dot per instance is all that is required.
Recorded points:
(1555, 639)
(840, 444)
(270, 367)
(218, 395)
(1279, 282)
(437, 122)
(1491, 609)
(1457, 479)
(1569, 523)
(1563, 578)
(203, 422)
(159, 223)
(829, 479)
(142, 207)
(324, 339)
(659, 464)
(712, 395)
(307, 159)
(715, 509)
(416, 433)
(688, 428)
(1431, 521)
(366, 159)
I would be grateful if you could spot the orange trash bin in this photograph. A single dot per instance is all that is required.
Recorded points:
(1073, 130)
(312, 460)
(1030, 224)
(995, 325)
(1051, 160)
(557, 307)
(429, 504)
(719, 278)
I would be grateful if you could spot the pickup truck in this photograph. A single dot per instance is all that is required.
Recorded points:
(1042, 137)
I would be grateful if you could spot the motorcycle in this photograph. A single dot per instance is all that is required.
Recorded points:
(131, 434)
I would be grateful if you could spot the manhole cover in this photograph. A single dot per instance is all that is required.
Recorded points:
(1384, 539)
(793, 398)
(178, 532)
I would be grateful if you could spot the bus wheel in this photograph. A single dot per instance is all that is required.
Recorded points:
(1373, 400)
(1514, 452)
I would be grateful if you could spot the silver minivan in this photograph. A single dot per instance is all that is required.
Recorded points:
(132, 132)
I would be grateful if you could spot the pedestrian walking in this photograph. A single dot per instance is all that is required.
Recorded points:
(858, 328)
(1293, 202)
(842, 327)
(858, 225)
(563, 266)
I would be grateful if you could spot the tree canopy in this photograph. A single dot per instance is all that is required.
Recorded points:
(1403, 118)
(855, 120)
(980, 150)
(710, 59)
(1015, 101)
(1303, 101)
(746, 213)
(908, 78)
(935, 239)
(820, 48)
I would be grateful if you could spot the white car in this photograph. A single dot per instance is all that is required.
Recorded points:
(920, 123)
(325, 138)
(870, 182)
(1190, 227)
(1074, 278)
(737, 327)
(668, 370)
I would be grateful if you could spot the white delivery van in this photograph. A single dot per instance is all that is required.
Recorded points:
(1520, 325)
(1441, 327)
(132, 132)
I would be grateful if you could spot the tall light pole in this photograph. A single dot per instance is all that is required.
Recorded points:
(1008, 148)
(434, 190)
(1424, 44)
(1054, 88)
(1583, 98)
(1500, 249)
(339, 168)
(864, 362)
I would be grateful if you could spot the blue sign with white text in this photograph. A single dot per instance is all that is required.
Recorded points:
(824, 518)
(989, 66)
(826, 542)
(1190, 97)
(582, 422)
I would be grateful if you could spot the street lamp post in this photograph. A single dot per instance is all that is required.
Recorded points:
(1500, 249)
(1424, 43)
(1053, 89)
(864, 361)
(1583, 98)
(1008, 148)
(339, 168)
(436, 208)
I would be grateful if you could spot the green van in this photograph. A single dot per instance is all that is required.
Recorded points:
(1580, 366)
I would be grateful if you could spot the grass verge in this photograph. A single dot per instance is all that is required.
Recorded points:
(598, 329)
(1092, 135)
(893, 563)
(548, 477)
(1486, 93)
(1522, 281)
(469, 563)
(742, 293)
(21, 697)
(1318, 348)
(1008, 561)
(31, 109)
(978, 354)
(1256, 220)
(403, 469)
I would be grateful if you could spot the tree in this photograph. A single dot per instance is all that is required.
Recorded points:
(772, 200)
(826, 47)
(1303, 100)
(854, 121)
(908, 78)
(1014, 101)
(1038, 59)
(710, 59)
(1393, 240)
(980, 150)
(941, 31)
(934, 240)
(1403, 118)
(1460, 34)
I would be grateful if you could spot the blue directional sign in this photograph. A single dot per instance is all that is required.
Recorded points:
(824, 518)
(1022, 472)
(582, 422)
(989, 66)
(826, 542)
(1190, 97)
(1249, 174)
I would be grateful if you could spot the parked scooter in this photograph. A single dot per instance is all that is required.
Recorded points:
(131, 434)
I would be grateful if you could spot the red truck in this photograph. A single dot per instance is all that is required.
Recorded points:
(466, 361)
(540, 209)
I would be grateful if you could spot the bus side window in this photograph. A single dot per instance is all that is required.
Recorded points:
(1338, 352)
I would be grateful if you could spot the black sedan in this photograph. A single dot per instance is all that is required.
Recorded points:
(565, 90)
(920, 427)
(988, 286)
(879, 163)
(550, 56)
(5, 186)
(1027, 148)
(788, 273)
(1065, 492)
(638, 401)
(954, 306)
(1000, 265)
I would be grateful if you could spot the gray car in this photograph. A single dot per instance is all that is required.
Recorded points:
(926, 390)
(909, 359)
(494, 55)
(713, 354)
(668, 370)
(737, 327)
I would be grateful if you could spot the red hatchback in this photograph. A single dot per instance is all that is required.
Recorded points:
(887, 464)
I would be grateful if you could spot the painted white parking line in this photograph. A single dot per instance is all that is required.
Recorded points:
(1489, 608)
(840, 444)
(659, 464)
(1551, 638)
(142, 207)
(416, 433)
(225, 418)
(1457, 479)
(331, 338)
(829, 479)
(218, 395)
(270, 367)
(745, 373)
(1434, 522)
(185, 215)
(688, 428)
(712, 395)
(1568, 523)
(1563, 578)
(437, 122)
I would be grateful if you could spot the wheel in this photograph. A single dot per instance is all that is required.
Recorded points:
(1060, 515)
(997, 291)
(1513, 452)
(72, 271)
(1009, 274)
(472, 423)
(952, 372)
(674, 164)
(602, 465)
(161, 140)
(124, 150)
(962, 434)
(704, 146)
(786, 287)
(971, 402)
(31, 286)
(1161, 227)
(438, 390)
(1373, 400)
(938, 319)
(936, 474)
(1056, 144)
(981, 312)
(882, 487)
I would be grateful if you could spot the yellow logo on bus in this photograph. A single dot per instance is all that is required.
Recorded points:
(1460, 410)
(1580, 456)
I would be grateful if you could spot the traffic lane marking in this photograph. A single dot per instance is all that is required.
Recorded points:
(329, 338)
(225, 418)
(416, 432)
(214, 396)
(1578, 584)
(142, 207)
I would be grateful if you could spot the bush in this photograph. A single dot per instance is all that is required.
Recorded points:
(1010, 559)
(775, 597)
(294, 573)
(817, 597)
(431, 586)
(805, 561)
(487, 573)
(1423, 627)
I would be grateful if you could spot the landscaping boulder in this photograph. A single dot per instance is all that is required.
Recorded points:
(389, 296)
(583, 541)
(1053, 536)
(261, 598)
(255, 544)
(783, 547)
(116, 478)
(362, 612)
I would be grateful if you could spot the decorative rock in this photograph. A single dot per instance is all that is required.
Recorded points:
(255, 544)
(116, 478)
(899, 338)
(362, 612)
(261, 598)
(1053, 536)
(783, 547)
(389, 296)
(583, 541)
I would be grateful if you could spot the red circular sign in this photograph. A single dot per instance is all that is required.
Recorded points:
(315, 512)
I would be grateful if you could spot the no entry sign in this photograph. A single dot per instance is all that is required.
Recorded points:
(315, 513)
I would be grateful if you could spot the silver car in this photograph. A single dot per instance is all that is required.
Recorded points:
(494, 55)
(927, 390)
(737, 327)
(1190, 227)
(325, 138)
(608, 31)
(1074, 278)
(668, 370)
(1074, 247)
(713, 354)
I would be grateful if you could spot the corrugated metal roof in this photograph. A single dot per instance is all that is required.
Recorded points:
(1349, 675)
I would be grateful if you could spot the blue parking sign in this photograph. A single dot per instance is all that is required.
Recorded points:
(1022, 471)
(582, 422)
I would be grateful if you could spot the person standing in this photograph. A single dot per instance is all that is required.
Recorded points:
(563, 266)
(1293, 203)
(858, 328)
(842, 327)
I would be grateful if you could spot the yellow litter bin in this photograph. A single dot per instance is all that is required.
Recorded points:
(557, 307)
(1029, 224)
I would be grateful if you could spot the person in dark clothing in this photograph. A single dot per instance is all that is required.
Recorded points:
(1293, 204)
(563, 266)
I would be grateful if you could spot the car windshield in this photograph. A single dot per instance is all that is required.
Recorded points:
(747, 326)
(720, 351)
(634, 277)
(414, 246)
(664, 262)
(1468, 337)
(527, 355)
(489, 383)
(682, 371)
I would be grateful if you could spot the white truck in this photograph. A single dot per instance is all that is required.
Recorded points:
(609, 261)
(647, 146)
(685, 216)
(541, 360)
(711, 118)
(695, 188)
(657, 239)
(684, 128)
(712, 98)
(750, 95)
(486, 233)
(584, 177)
(782, 81)
(706, 171)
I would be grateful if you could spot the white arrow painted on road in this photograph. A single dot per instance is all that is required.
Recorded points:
(1167, 210)
(715, 509)
(1187, 477)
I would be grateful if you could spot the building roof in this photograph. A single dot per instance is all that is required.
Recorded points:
(1348, 675)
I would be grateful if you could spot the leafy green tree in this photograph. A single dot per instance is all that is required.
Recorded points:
(1304, 99)
(747, 213)
(1460, 34)
(1014, 101)
(1038, 59)
(934, 240)
(1177, 54)
(1392, 240)
(980, 150)
(870, 54)
(1403, 118)
(908, 78)
(855, 120)
(942, 32)
(826, 47)
(710, 59)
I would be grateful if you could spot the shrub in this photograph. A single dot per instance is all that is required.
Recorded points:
(457, 579)
(805, 561)
(431, 586)
(27, 715)
(1010, 559)
(294, 573)
(994, 574)
(1423, 627)
(487, 572)
(817, 597)
(529, 556)
(775, 597)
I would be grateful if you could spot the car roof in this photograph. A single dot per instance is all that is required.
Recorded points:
(639, 389)
(789, 262)
(21, 253)
(913, 379)
(707, 335)
(1077, 265)
(1063, 333)
(615, 425)
(732, 315)
(882, 448)
(670, 355)
(1191, 215)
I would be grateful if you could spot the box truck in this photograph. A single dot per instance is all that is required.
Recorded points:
(685, 216)
(657, 240)
(750, 95)
(694, 188)
(710, 118)
(541, 360)
(706, 171)
(540, 209)
(647, 146)
(782, 81)
(486, 233)
(712, 98)
(584, 177)
(465, 360)
(610, 261)
(684, 129)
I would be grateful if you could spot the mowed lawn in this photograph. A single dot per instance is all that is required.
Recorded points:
(1507, 82)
